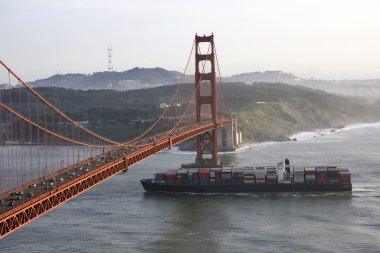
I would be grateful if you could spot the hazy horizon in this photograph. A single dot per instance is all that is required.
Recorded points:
(312, 39)
(224, 76)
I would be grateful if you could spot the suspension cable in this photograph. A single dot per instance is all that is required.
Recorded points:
(188, 106)
(171, 102)
(89, 131)
(56, 109)
(12, 112)
(193, 97)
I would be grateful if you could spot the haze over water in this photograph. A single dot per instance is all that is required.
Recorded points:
(117, 216)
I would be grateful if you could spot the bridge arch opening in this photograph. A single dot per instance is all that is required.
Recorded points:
(204, 48)
(205, 67)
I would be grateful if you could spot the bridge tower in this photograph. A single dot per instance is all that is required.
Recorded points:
(205, 85)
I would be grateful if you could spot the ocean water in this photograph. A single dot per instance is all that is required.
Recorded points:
(117, 216)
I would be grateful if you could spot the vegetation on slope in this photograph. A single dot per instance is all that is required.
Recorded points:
(264, 111)
(275, 111)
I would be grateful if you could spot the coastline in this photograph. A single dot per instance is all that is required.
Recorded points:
(309, 135)
(301, 136)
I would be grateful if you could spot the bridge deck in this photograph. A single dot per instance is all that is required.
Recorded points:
(25, 203)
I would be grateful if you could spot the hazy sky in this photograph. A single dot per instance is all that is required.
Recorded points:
(330, 39)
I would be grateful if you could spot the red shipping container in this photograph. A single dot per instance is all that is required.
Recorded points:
(204, 173)
(321, 180)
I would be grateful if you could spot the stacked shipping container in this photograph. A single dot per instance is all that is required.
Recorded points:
(251, 175)
(181, 177)
(238, 176)
(260, 175)
(321, 175)
(271, 177)
(216, 176)
(159, 178)
(310, 175)
(170, 177)
(345, 177)
(298, 175)
(226, 176)
(204, 176)
(333, 175)
(192, 176)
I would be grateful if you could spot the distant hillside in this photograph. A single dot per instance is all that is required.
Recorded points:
(136, 78)
(364, 88)
(264, 111)
(262, 77)
(141, 78)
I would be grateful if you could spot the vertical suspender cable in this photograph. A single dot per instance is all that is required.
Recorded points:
(45, 144)
(30, 141)
(38, 144)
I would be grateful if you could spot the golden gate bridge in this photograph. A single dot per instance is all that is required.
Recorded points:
(47, 158)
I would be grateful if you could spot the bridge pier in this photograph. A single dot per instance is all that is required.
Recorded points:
(226, 139)
(207, 162)
(229, 138)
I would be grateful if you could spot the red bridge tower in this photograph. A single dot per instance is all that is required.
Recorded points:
(205, 85)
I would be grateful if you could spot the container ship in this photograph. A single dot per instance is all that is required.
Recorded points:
(251, 179)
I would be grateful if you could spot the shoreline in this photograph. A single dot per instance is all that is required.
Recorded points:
(309, 135)
(301, 136)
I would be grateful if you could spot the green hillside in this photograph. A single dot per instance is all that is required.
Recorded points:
(290, 109)
(264, 111)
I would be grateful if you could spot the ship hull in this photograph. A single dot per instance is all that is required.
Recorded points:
(150, 186)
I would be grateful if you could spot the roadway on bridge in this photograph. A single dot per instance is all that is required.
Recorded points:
(29, 192)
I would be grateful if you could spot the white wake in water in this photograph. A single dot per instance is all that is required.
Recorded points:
(306, 136)
(358, 126)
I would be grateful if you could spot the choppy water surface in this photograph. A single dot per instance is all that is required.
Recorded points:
(117, 216)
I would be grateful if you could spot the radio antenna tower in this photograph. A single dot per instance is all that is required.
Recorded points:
(110, 66)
